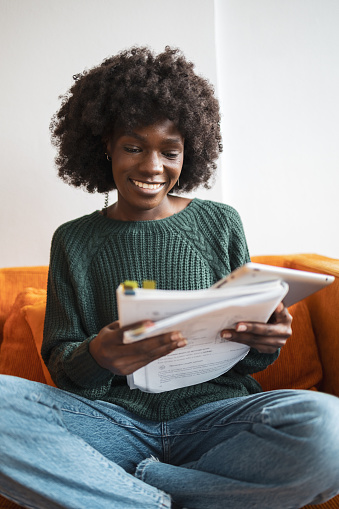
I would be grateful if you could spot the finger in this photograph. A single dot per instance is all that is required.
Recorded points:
(151, 348)
(143, 352)
(247, 329)
(114, 325)
(254, 341)
(141, 361)
(281, 315)
(262, 344)
(115, 333)
(157, 341)
(136, 325)
(280, 307)
(281, 329)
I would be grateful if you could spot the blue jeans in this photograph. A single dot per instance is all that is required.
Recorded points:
(271, 450)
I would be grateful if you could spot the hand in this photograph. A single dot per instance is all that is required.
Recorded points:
(109, 351)
(266, 338)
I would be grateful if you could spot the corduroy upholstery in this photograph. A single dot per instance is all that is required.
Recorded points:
(308, 361)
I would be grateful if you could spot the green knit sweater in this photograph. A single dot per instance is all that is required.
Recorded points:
(92, 255)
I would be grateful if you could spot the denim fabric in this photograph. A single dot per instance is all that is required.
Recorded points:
(271, 450)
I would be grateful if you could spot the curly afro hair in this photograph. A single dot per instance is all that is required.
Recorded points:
(136, 88)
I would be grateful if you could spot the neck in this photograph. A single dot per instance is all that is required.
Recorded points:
(170, 206)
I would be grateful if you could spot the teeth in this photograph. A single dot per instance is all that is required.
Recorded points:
(143, 185)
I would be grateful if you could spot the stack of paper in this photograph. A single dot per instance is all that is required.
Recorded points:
(200, 315)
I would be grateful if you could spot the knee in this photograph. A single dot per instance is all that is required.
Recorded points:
(317, 434)
(306, 425)
(16, 402)
(320, 417)
(304, 413)
(9, 396)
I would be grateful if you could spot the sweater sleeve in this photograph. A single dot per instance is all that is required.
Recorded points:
(239, 255)
(238, 252)
(65, 347)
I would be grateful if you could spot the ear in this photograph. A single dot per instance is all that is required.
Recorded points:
(107, 142)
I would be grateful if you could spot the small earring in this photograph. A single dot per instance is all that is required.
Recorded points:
(178, 183)
(104, 210)
(108, 157)
(106, 200)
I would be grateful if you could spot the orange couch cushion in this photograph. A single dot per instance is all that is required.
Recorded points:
(323, 309)
(35, 317)
(7, 504)
(298, 365)
(19, 352)
(14, 280)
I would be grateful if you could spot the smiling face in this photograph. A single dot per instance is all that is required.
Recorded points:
(146, 164)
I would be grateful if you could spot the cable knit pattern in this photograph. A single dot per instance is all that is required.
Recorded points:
(92, 255)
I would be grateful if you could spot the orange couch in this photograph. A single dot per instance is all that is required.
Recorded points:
(309, 360)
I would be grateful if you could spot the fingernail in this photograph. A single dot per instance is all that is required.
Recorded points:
(176, 336)
(141, 329)
(181, 343)
(241, 328)
(226, 335)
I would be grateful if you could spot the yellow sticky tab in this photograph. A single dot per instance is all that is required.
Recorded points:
(148, 284)
(129, 287)
(130, 284)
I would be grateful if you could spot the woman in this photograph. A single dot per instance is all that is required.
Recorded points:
(147, 125)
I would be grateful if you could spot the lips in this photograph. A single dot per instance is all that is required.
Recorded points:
(148, 185)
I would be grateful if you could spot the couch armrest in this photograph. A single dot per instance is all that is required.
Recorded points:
(13, 281)
(323, 307)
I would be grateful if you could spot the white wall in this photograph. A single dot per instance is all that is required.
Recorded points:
(279, 88)
(42, 44)
(278, 76)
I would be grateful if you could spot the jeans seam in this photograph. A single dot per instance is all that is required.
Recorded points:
(165, 439)
(206, 430)
(100, 417)
(139, 472)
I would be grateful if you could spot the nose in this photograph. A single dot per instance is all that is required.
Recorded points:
(152, 163)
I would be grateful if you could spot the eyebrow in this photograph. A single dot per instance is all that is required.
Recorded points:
(137, 136)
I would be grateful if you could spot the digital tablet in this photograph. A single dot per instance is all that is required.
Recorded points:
(301, 283)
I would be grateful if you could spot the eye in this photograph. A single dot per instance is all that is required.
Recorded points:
(171, 155)
(132, 150)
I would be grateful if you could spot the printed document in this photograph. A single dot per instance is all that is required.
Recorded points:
(200, 315)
